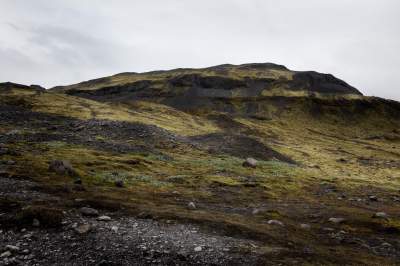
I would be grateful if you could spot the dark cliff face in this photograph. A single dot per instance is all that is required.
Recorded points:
(224, 81)
(11, 85)
(223, 77)
(322, 83)
(248, 89)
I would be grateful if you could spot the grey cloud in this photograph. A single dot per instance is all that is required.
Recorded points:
(61, 42)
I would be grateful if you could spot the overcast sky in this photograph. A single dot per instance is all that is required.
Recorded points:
(56, 42)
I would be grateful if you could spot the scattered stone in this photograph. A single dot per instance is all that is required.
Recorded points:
(275, 222)
(35, 222)
(256, 211)
(82, 229)
(305, 226)
(114, 229)
(381, 215)
(328, 229)
(198, 249)
(119, 183)
(104, 218)
(250, 162)
(86, 211)
(5, 254)
(191, 206)
(337, 220)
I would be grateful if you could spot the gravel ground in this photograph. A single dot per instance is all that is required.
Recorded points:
(122, 240)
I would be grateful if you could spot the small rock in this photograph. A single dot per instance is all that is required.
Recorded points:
(79, 200)
(25, 251)
(78, 181)
(305, 226)
(82, 229)
(12, 248)
(5, 254)
(337, 220)
(191, 206)
(35, 222)
(275, 222)
(386, 245)
(114, 229)
(198, 249)
(119, 183)
(86, 211)
(104, 218)
(373, 198)
(250, 162)
(381, 215)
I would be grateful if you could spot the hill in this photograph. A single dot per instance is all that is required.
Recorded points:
(165, 150)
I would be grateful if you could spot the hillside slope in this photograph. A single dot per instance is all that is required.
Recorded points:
(176, 141)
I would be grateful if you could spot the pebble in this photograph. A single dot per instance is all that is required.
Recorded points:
(382, 215)
(337, 220)
(275, 222)
(25, 251)
(305, 226)
(191, 206)
(35, 223)
(114, 229)
(104, 218)
(198, 249)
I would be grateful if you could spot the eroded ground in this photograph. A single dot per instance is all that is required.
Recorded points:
(277, 213)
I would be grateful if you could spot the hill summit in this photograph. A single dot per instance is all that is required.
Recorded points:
(252, 164)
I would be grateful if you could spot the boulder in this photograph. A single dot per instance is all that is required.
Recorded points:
(63, 167)
(119, 183)
(83, 229)
(86, 211)
(250, 162)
